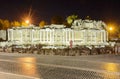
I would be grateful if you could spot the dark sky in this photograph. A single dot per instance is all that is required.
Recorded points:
(106, 10)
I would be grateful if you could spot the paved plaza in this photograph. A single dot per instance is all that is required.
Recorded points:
(34, 66)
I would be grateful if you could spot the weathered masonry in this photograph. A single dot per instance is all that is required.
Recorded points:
(82, 32)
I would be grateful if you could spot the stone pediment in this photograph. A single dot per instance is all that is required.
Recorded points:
(55, 26)
(88, 24)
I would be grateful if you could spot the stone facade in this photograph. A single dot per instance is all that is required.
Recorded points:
(82, 32)
(3, 35)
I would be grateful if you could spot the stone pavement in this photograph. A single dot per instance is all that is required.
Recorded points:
(33, 66)
(4, 75)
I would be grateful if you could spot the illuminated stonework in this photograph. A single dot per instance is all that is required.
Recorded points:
(82, 32)
(3, 35)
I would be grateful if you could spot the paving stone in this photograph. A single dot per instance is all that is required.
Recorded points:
(25, 66)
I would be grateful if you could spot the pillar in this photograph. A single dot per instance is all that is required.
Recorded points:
(69, 34)
(8, 31)
(44, 35)
(63, 39)
(101, 33)
(66, 37)
(21, 36)
(12, 35)
(95, 38)
(73, 36)
(104, 36)
(91, 41)
(53, 36)
(50, 36)
(32, 36)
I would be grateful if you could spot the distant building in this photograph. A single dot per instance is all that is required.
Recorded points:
(82, 32)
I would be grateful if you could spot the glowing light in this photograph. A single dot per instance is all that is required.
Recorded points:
(110, 28)
(27, 21)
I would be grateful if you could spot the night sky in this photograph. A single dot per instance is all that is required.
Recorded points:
(106, 10)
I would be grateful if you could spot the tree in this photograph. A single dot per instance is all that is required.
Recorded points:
(57, 20)
(42, 24)
(70, 19)
(15, 24)
(24, 24)
(6, 24)
(1, 24)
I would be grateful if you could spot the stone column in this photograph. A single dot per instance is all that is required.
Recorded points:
(104, 36)
(85, 36)
(73, 36)
(101, 33)
(49, 35)
(44, 35)
(21, 36)
(95, 38)
(40, 35)
(69, 34)
(12, 35)
(63, 39)
(8, 35)
(66, 36)
(91, 41)
(32, 36)
(53, 36)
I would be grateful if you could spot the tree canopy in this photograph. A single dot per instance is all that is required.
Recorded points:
(42, 24)
(71, 18)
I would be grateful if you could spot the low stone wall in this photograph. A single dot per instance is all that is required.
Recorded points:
(63, 52)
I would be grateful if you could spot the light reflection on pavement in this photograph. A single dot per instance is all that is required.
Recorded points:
(58, 67)
(111, 67)
(28, 66)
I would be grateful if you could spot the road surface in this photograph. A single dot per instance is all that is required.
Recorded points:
(33, 66)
